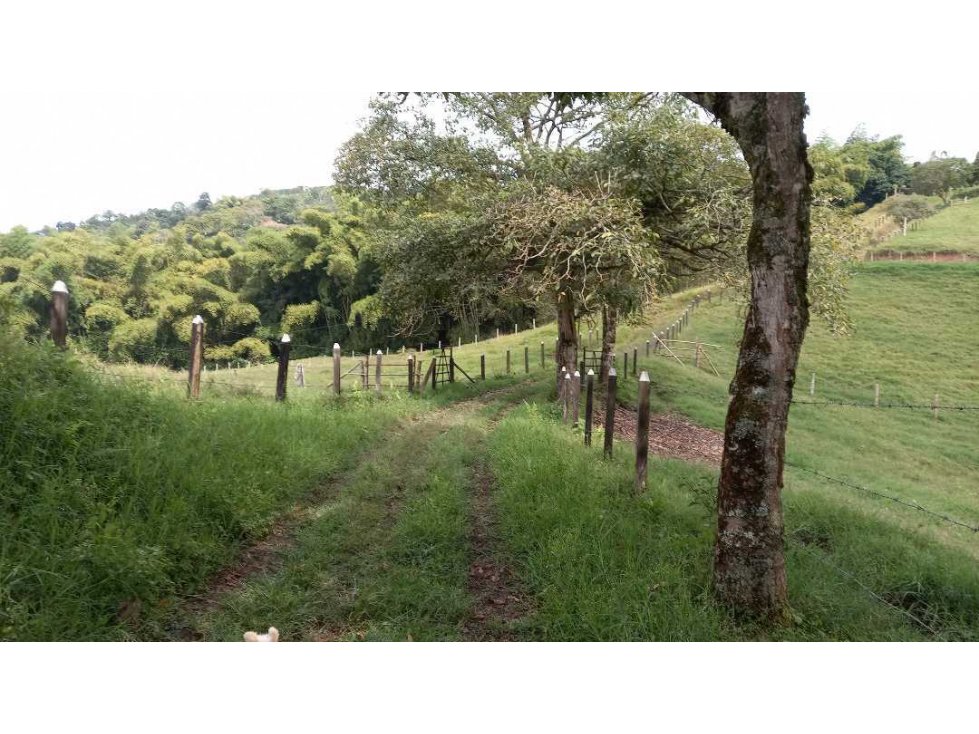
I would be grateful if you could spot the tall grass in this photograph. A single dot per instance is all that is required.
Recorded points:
(605, 565)
(116, 497)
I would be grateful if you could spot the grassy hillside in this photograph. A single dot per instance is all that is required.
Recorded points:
(912, 337)
(954, 230)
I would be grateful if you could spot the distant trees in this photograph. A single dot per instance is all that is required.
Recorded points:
(203, 202)
(136, 281)
(879, 168)
(939, 176)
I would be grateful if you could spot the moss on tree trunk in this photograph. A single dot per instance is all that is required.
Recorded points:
(610, 318)
(566, 354)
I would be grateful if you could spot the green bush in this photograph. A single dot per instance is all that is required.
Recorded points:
(910, 206)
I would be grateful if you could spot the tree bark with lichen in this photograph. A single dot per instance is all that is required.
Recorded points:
(749, 559)
(566, 354)
(610, 319)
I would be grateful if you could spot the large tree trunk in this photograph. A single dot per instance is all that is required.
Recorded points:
(610, 318)
(749, 562)
(566, 354)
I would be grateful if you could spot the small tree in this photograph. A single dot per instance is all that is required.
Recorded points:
(584, 249)
(939, 176)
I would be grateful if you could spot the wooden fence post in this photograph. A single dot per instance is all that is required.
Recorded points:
(812, 384)
(196, 357)
(365, 371)
(625, 363)
(377, 373)
(59, 314)
(610, 412)
(696, 356)
(526, 359)
(647, 347)
(642, 433)
(433, 370)
(635, 360)
(508, 361)
(283, 374)
(565, 403)
(482, 367)
(336, 369)
(542, 355)
(575, 397)
(452, 367)
(589, 399)
(534, 323)
(300, 375)
(411, 374)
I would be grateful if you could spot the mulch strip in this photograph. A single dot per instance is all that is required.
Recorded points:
(670, 435)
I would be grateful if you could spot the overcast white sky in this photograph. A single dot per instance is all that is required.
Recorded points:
(71, 155)
(118, 105)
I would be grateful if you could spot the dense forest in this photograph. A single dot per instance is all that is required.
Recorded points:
(452, 215)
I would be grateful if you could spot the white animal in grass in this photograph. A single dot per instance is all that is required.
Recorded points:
(272, 636)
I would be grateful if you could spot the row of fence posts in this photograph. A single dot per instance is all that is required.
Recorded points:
(572, 388)
(59, 331)
(935, 401)
(570, 397)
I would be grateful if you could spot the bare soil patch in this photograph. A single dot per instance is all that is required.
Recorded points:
(670, 435)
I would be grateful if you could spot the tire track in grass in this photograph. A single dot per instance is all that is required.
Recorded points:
(381, 554)
(498, 599)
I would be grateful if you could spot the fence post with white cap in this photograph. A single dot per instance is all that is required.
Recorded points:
(642, 432)
(196, 357)
(59, 314)
(283, 374)
(610, 412)
(589, 397)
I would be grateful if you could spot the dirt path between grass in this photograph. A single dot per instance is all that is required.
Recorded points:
(267, 553)
(670, 436)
